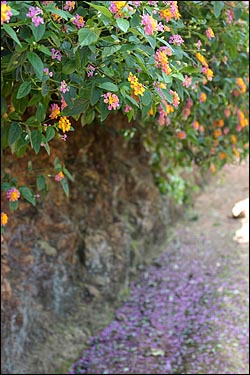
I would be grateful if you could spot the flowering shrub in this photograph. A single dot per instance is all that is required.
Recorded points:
(166, 64)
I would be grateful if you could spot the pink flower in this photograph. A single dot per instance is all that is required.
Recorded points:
(187, 81)
(150, 24)
(91, 70)
(70, 5)
(13, 194)
(199, 44)
(56, 54)
(226, 130)
(64, 87)
(59, 176)
(64, 137)
(176, 40)
(112, 100)
(210, 33)
(34, 15)
(181, 134)
(175, 97)
(127, 108)
(5, 12)
(47, 72)
(78, 21)
(63, 104)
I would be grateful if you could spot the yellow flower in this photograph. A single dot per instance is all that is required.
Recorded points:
(135, 85)
(233, 139)
(64, 124)
(4, 219)
(202, 59)
(236, 152)
(241, 85)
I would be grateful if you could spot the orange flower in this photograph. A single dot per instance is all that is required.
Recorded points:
(181, 134)
(233, 139)
(203, 97)
(4, 219)
(212, 168)
(217, 133)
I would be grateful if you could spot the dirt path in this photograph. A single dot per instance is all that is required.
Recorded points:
(188, 312)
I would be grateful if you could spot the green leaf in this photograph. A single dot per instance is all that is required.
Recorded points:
(68, 174)
(11, 33)
(95, 95)
(80, 106)
(69, 67)
(218, 6)
(44, 50)
(24, 89)
(123, 24)
(147, 98)
(36, 139)
(87, 37)
(45, 89)
(38, 31)
(27, 194)
(59, 12)
(14, 133)
(57, 164)
(237, 13)
(65, 186)
(178, 76)
(13, 205)
(108, 51)
(36, 63)
(5, 186)
(102, 9)
(40, 112)
(40, 183)
(50, 133)
(109, 86)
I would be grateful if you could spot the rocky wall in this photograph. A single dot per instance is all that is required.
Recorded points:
(66, 253)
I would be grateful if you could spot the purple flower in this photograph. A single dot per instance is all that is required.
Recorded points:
(176, 40)
(47, 72)
(34, 15)
(64, 87)
(91, 71)
(56, 54)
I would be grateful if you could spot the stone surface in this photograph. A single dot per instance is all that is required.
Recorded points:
(65, 254)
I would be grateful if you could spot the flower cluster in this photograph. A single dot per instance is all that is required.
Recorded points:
(135, 85)
(4, 219)
(187, 81)
(170, 13)
(13, 194)
(164, 110)
(176, 40)
(55, 111)
(203, 97)
(202, 59)
(64, 124)
(70, 5)
(241, 84)
(209, 33)
(47, 72)
(91, 70)
(175, 97)
(5, 12)
(78, 21)
(64, 87)
(112, 100)
(59, 176)
(208, 72)
(56, 55)
(149, 23)
(34, 15)
(181, 134)
(161, 59)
